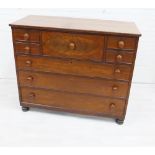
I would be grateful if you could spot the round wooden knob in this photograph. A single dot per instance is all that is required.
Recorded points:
(30, 78)
(112, 106)
(117, 70)
(32, 95)
(28, 63)
(27, 48)
(72, 46)
(115, 88)
(26, 36)
(121, 44)
(119, 57)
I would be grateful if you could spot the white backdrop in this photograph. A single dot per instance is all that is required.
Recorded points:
(45, 128)
(144, 18)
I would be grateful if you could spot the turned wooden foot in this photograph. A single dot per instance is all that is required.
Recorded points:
(25, 109)
(119, 121)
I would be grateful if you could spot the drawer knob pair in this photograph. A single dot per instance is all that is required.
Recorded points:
(72, 46)
(121, 44)
(26, 36)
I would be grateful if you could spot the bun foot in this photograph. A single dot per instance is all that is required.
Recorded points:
(25, 109)
(120, 122)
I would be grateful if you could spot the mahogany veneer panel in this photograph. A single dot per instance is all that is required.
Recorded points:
(74, 84)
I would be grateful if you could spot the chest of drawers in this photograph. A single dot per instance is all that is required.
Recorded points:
(75, 65)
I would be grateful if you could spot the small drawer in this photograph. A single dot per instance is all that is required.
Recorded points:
(72, 45)
(74, 67)
(120, 57)
(126, 43)
(26, 35)
(27, 48)
(81, 103)
(122, 72)
(100, 87)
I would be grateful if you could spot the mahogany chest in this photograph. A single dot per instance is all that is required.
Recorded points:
(75, 65)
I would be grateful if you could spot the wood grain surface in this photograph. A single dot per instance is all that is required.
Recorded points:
(94, 25)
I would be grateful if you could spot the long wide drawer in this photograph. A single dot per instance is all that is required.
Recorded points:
(73, 84)
(27, 48)
(85, 104)
(74, 67)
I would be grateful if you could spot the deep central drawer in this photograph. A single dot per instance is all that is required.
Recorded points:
(72, 45)
(74, 84)
(74, 67)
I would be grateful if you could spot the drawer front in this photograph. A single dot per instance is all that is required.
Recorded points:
(73, 45)
(26, 35)
(27, 48)
(73, 67)
(126, 43)
(74, 84)
(73, 102)
(120, 57)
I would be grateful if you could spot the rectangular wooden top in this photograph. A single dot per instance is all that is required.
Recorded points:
(66, 23)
